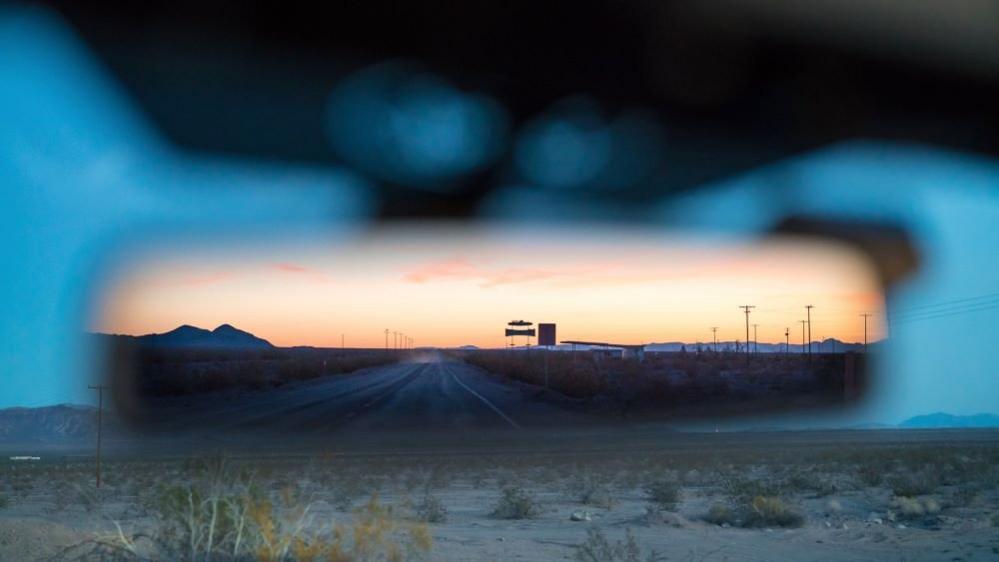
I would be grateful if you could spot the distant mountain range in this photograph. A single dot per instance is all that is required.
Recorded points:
(225, 336)
(67, 424)
(63, 423)
(828, 345)
(940, 419)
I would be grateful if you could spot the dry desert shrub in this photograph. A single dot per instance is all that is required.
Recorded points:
(742, 489)
(914, 508)
(808, 480)
(663, 494)
(431, 510)
(516, 503)
(598, 548)
(925, 481)
(217, 515)
(590, 489)
(870, 474)
(720, 514)
(769, 511)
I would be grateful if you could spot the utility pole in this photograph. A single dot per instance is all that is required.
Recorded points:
(865, 315)
(100, 421)
(787, 341)
(808, 309)
(714, 338)
(803, 322)
(747, 308)
(756, 342)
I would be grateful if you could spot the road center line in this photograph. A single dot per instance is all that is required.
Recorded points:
(481, 397)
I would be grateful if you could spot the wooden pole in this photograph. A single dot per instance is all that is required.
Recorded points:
(100, 422)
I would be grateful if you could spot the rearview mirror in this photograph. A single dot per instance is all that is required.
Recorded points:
(494, 327)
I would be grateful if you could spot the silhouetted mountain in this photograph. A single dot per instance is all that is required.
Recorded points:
(50, 424)
(191, 336)
(941, 419)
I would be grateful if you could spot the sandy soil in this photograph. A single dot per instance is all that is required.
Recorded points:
(856, 492)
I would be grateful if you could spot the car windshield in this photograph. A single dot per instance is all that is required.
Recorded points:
(604, 281)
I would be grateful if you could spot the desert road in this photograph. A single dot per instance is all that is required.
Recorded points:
(431, 393)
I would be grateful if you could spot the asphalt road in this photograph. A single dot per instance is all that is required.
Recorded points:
(429, 393)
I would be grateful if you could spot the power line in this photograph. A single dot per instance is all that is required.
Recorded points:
(987, 296)
(943, 313)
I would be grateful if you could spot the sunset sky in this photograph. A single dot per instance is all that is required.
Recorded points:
(457, 287)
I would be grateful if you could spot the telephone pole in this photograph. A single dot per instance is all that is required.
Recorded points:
(714, 338)
(747, 308)
(787, 341)
(756, 342)
(100, 421)
(865, 315)
(808, 309)
(803, 322)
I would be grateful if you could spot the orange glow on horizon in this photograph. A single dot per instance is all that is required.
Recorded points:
(459, 287)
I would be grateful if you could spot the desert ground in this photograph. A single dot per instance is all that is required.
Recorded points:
(648, 495)
(434, 459)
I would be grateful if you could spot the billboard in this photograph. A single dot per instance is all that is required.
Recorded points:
(526, 332)
(546, 334)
